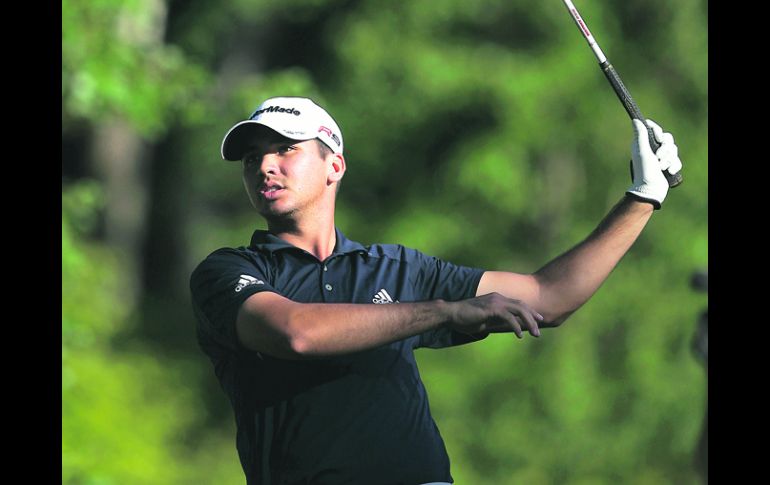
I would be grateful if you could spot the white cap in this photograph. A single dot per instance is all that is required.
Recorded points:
(295, 118)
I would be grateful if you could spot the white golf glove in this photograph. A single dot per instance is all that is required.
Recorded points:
(648, 181)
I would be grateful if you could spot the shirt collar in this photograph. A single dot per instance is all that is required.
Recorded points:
(269, 242)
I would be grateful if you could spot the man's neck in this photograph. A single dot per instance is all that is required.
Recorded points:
(314, 236)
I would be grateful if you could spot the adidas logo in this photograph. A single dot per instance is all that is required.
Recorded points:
(382, 297)
(247, 280)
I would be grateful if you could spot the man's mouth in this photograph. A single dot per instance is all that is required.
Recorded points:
(270, 191)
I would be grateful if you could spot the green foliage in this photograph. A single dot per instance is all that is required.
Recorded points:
(115, 64)
(124, 414)
(83, 270)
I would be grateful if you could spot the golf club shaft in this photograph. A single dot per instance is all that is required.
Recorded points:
(617, 85)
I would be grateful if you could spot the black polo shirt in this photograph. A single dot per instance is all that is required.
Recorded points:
(357, 418)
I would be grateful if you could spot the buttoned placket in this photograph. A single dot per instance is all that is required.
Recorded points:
(327, 286)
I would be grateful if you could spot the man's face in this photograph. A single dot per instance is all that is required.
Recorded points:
(283, 176)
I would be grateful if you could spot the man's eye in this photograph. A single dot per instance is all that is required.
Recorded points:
(285, 148)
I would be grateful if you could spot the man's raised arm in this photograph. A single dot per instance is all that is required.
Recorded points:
(560, 287)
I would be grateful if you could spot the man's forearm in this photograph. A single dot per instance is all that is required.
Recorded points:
(571, 279)
(275, 325)
(322, 329)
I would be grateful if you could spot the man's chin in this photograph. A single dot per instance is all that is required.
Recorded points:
(272, 212)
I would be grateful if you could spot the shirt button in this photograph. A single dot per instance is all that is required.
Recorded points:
(328, 287)
(326, 268)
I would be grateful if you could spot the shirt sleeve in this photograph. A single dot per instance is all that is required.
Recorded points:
(218, 286)
(439, 279)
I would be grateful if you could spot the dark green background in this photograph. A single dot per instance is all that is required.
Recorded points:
(482, 132)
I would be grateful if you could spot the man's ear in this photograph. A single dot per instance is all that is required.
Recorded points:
(336, 168)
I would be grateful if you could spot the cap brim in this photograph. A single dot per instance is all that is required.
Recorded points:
(241, 136)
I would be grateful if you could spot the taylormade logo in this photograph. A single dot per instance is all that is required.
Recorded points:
(275, 109)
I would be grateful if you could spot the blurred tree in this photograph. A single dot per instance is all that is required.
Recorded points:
(124, 414)
(119, 76)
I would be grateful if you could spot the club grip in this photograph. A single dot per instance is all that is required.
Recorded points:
(674, 179)
(633, 111)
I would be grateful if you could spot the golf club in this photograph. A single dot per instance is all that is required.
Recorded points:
(620, 89)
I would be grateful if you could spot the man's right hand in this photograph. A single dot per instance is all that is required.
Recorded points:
(493, 313)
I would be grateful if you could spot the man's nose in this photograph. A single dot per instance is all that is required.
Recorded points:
(269, 164)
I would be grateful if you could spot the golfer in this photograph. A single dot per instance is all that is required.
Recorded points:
(312, 335)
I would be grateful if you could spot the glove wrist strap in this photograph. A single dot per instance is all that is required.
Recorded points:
(639, 198)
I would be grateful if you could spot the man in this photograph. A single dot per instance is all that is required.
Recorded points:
(312, 334)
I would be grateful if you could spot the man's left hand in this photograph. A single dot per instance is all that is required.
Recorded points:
(648, 181)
